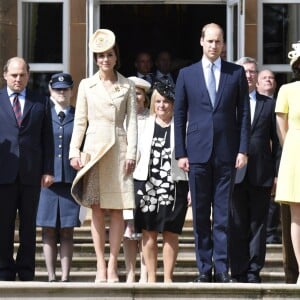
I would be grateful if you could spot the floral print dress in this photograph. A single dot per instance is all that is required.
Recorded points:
(159, 207)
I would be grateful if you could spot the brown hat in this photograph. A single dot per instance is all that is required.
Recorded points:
(102, 40)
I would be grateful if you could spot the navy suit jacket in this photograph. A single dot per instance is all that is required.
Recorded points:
(25, 151)
(62, 133)
(224, 128)
(264, 150)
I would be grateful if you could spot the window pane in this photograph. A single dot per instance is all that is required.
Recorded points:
(39, 82)
(280, 29)
(42, 32)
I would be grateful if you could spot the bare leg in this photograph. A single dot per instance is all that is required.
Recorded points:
(150, 253)
(66, 252)
(116, 229)
(170, 251)
(98, 235)
(50, 250)
(130, 252)
(295, 232)
(143, 275)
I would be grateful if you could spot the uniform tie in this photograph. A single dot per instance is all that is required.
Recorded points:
(211, 84)
(61, 116)
(17, 109)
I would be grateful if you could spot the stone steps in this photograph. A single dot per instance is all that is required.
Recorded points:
(170, 291)
(84, 261)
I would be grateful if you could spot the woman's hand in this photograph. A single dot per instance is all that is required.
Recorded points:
(189, 199)
(47, 180)
(129, 166)
(75, 163)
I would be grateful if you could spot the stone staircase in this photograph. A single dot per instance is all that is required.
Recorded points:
(84, 261)
(83, 272)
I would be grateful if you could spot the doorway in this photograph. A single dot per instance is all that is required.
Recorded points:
(153, 28)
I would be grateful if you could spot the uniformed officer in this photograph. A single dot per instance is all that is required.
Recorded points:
(58, 213)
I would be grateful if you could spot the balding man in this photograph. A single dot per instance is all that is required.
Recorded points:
(26, 160)
(266, 85)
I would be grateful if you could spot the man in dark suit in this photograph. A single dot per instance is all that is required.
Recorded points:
(26, 160)
(252, 191)
(211, 100)
(266, 85)
(163, 68)
(143, 64)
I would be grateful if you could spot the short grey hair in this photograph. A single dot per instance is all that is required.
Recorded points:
(247, 60)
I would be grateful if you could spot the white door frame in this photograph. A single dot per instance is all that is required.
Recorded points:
(231, 4)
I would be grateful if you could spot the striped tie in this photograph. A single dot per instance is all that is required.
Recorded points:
(17, 109)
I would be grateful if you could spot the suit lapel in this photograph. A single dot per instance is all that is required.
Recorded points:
(223, 79)
(28, 104)
(200, 82)
(6, 105)
(70, 115)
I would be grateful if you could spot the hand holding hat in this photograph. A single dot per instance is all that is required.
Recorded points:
(102, 40)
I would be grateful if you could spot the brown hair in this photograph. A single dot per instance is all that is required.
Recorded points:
(117, 52)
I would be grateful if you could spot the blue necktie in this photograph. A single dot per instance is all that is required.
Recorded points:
(211, 84)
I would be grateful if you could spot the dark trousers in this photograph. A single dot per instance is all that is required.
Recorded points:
(22, 199)
(248, 220)
(273, 222)
(211, 186)
(290, 265)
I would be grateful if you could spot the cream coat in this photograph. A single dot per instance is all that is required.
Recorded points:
(98, 122)
(144, 151)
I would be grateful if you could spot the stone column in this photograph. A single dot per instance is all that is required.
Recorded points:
(8, 32)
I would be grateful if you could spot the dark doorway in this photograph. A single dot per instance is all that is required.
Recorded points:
(155, 27)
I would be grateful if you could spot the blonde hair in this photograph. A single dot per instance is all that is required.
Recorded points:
(154, 95)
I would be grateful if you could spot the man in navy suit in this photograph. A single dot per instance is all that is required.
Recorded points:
(211, 141)
(252, 191)
(26, 164)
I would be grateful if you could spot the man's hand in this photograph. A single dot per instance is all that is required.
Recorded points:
(241, 160)
(183, 163)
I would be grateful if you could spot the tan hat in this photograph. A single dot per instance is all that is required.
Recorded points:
(102, 40)
(294, 55)
(141, 83)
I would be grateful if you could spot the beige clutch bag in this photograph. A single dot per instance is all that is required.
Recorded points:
(84, 158)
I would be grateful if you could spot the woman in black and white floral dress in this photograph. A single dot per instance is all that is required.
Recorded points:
(161, 187)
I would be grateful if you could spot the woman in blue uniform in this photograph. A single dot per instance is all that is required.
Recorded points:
(58, 213)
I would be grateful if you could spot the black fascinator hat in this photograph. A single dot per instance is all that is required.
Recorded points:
(166, 89)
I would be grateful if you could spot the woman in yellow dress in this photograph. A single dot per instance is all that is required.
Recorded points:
(288, 128)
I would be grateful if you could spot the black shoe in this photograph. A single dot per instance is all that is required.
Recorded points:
(203, 277)
(273, 240)
(254, 279)
(223, 278)
(240, 278)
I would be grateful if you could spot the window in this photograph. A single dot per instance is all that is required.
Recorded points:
(278, 28)
(43, 39)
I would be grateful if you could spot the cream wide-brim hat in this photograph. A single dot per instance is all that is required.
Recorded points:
(102, 40)
(140, 83)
